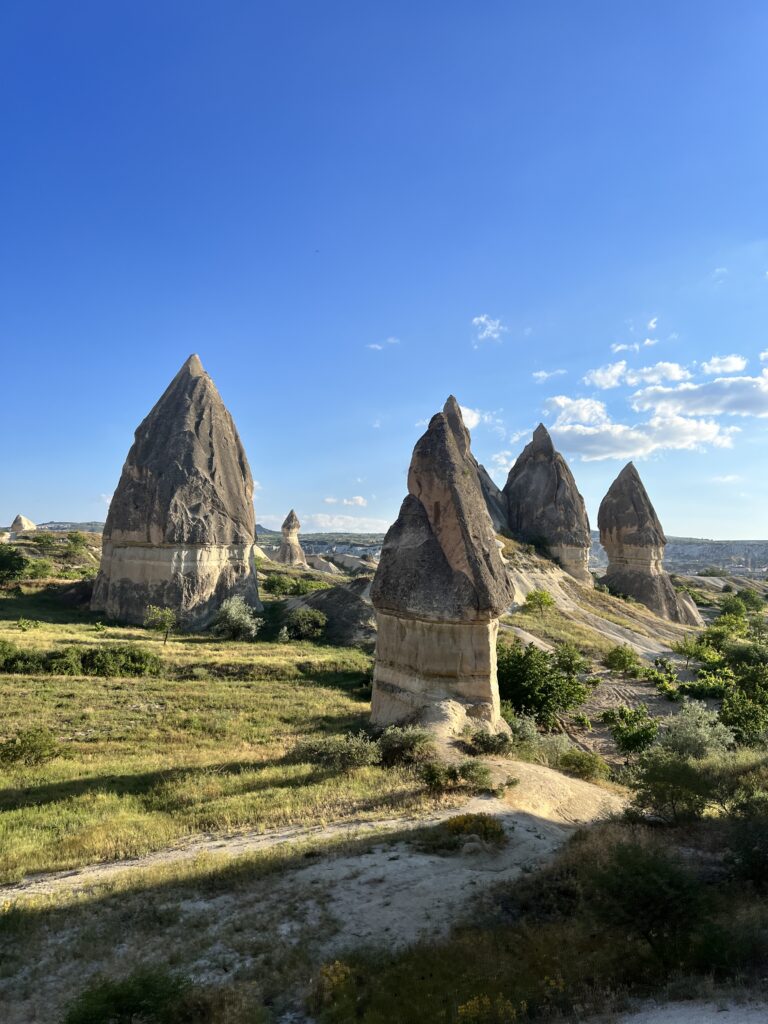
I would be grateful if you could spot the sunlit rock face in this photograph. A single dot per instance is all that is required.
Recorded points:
(634, 541)
(438, 591)
(22, 525)
(290, 551)
(544, 506)
(181, 525)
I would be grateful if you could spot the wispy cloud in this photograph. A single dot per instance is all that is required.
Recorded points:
(729, 478)
(541, 375)
(357, 500)
(656, 374)
(324, 522)
(724, 364)
(331, 501)
(764, 355)
(377, 346)
(487, 328)
(649, 342)
(732, 396)
(475, 417)
(624, 347)
(652, 323)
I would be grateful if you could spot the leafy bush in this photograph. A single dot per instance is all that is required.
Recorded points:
(632, 729)
(406, 745)
(439, 776)
(120, 660)
(277, 584)
(746, 715)
(306, 623)
(533, 682)
(482, 742)
(449, 835)
(733, 605)
(236, 620)
(696, 732)
(281, 584)
(30, 747)
(523, 726)
(161, 620)
(709, 683)
(751, 600)
(340, 753)
(538, 601)
(148, 996)
(669, 787)
(26, 624)
(623, 659)
(583, 764)
(38, 569)
(46, 541)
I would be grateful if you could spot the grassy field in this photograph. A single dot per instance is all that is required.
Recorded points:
(205, 747)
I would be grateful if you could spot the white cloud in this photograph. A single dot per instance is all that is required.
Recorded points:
(576, 410)
(256, 485)
(732, 396)
(487, 327)
(331, 501)
(376, 423)
(357, 500)
(652, 323)
(393, 341)
(650, 341)
(724, 364)
(375, 347)
(323, 522)
(729, 478)
(474, 417)
(541, 375)
(657, 373)
(106, 499)
(634, 347)
(621, 441)
(764, 355)
(379, 347)
(605, 377)
(719, 274)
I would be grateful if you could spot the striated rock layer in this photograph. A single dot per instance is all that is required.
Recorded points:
(634, 541)
(439, 590)
(181, 526)
(290, 551)
(545, 506)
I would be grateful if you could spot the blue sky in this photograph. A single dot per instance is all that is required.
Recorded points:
(351, 210)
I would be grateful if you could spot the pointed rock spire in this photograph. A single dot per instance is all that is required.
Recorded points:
(439, 589)
(544, 505)
(290, 551)
(181, 526)
(634, 540)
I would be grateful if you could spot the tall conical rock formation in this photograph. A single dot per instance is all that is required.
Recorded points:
(544, 505)
(290, 551)
(22, 525)
(634, 541)
(181, 525)
(438, 591)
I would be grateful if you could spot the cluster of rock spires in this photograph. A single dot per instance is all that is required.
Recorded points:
(439, 590)
(181, 526)
(634, 541)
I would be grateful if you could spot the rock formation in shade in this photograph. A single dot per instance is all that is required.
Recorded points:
(181, 526)
(438, 591)
(323, 565)
(544, 505)
(290, 551)
(634, 541)
(495, 501)
(22, 525)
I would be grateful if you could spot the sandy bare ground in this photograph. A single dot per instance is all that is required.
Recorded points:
(726, 1012)
(390, 895)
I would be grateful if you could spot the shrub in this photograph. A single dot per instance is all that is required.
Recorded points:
(77, 540)
(733, 605)
(236, 620)
(751, 600)
(687, 648)
(14, 660)
(748, 846)
(161, 620)
(709, 683)
(449, 835)
(623, 659)
(696, 732)
(38, 569)
(523, 726)
(583, 764)
(340, 753)
(632, 729)
(538, 601)
(45, 541)
(583, 721)
(490, 743)
(668, 786)
(30, 747)
(745, 715)
(119, 660)
(26, 624)
(148, 996)
(533, 683)
(67, 661)
(306, 623)
(406, 745)
(439, 776)
(277, 584)
(282, 635)
(12, 564)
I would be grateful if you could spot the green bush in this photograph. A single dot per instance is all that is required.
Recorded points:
(745, 715)
(670, 787)
(733, 605)
(46, 541)
(306, 623)
(751, 600)
(538, 601)
(533, 682)
(12, 564)
(148, 996)
(30, 747)
(340, 753)
(439, 776)
(623, 659)
(449, 835)
(632, 729)
(161, 620)
(696, 732)
(583, 764)
(127, 660)
(236, 620)
(38, 569)
(523, 726)
(709, 683)
(499, 744)
(406, 745)
(278, 584)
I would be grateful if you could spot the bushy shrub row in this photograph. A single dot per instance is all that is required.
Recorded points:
(119, 659)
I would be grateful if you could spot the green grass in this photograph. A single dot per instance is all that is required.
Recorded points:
(555, 626)
(204, 748)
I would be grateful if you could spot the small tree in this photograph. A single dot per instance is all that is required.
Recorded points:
(624, 659)
(538, 601)
(751, 600)
(46, 541)
(733, 605)
(12, 564)
(236, 621)
(77, 540)
(161, 620)
(632, 729)
(687, 648)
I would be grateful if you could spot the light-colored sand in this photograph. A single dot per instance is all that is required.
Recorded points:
(699, 1013)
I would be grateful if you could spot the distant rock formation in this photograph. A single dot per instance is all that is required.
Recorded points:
(22, 525)
(323, 565)
(495, 501)
(181, 526)
(544, 505)
(438, 591)
(634, 541)
(354, 563)
(290, 551)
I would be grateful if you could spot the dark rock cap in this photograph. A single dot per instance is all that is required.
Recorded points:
(291, 522)
(440, 559)
(628, 509)
(186, 479)
(543, 501)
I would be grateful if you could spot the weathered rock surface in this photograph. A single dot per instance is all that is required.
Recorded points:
(634, 541)
(323, 565)
(545, 506)
(22, 525)
(495, 501)
(439, 590)
(351, 618)
(354, 563)
(181, 525)
(290, 551)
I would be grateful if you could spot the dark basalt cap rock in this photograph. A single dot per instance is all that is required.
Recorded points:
(627, 509)
(291, 522)
(543, 501)
(186, 479)
(440, 559)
